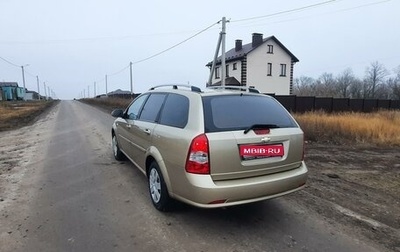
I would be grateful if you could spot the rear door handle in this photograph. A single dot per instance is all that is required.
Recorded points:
(129, 126)
(147, 131)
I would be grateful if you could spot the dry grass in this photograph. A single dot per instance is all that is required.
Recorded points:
(14, 114)
(108, 104)
(382, 127)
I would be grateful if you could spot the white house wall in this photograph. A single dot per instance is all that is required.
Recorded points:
(235, 73)
(232, 73)
(257, 64)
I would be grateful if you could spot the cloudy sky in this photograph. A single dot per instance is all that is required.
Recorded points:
(70, 44)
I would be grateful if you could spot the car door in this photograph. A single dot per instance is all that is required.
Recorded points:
(141, 129)
(124, 124)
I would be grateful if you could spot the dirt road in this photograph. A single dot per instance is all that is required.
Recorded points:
(61, 190)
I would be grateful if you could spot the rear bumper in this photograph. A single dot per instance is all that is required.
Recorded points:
(206, 193)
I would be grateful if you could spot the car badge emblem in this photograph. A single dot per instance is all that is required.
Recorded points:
(265, 139)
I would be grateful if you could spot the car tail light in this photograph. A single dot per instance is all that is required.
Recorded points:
(198, 157)
(304, 147)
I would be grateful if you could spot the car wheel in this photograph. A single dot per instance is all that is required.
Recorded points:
(157, 188)
(118, 155)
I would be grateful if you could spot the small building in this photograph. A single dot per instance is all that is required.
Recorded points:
(265, 64)
(32, 95)
(11, 91)
(120, 94)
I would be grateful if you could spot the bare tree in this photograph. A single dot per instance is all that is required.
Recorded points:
(325, 85)
(343, 83)
(374, 76)
(356, 89)
(383, 91)
(394, 85)
(304, 86)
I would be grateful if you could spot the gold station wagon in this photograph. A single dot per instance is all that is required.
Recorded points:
(216, 148)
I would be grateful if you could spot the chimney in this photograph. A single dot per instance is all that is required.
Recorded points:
(238, 45)
(257, 39)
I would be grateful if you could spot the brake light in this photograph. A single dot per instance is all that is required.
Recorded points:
(261, 131)
(198, 157)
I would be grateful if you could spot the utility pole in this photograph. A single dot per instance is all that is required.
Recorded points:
(130, 70)
(38, 87)
(45, 92)
(84, 93)
(23, 76)
(223, 65)
(49, 93)
(220, 44)
(106, 87)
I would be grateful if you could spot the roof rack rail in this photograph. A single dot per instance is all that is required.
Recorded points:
(250, 90)
(175, 86)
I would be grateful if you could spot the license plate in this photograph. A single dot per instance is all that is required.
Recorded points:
(261, 151)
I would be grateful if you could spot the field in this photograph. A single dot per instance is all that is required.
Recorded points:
(16, 114)
(380, 128)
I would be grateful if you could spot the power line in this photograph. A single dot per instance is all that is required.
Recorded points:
(178, 44)
(120, 71)
(113, 74)
(163, 51)
(261, 23)
(361, 6)
(159, 53)
(9, 62)
(285, 12)
(88, 39)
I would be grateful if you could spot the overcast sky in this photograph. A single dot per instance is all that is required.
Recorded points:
(70, 44)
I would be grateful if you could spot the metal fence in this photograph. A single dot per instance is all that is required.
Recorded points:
(302, 104)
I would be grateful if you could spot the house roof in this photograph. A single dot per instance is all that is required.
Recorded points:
(119, 92)
(229, 81)
(8, 84)
(233, 55)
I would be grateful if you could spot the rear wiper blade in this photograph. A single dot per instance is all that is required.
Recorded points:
(260, 126)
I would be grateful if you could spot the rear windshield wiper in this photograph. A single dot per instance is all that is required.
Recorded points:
(260, 126)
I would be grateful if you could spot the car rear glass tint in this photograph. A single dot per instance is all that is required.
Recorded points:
(175, 111)
(238, 112)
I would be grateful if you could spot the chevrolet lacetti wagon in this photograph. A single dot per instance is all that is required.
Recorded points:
(220, 147)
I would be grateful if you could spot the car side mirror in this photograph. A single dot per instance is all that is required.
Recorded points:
(117, 113)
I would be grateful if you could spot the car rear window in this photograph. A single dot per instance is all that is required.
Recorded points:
(238, 112)
(175, 112)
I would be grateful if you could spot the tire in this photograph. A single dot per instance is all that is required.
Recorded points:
(118, 155)
(158, 190)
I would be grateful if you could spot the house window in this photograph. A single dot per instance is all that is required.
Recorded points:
(269, 69)
(283, 70)
(270, 49)
(227, 70)
(217, 73)
(234, 66)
